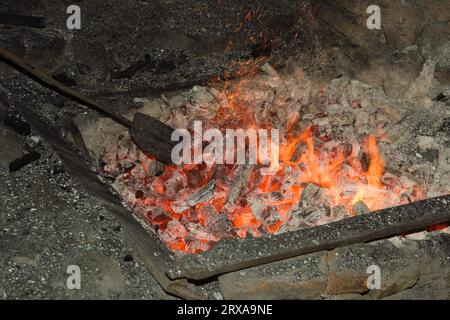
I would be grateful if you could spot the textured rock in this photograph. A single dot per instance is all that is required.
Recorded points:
(348, 268)
(298, 278)
(434, 253)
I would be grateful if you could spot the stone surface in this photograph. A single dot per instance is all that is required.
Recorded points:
(408, 269)
(393, 56)
(298, 278)
(348, 269)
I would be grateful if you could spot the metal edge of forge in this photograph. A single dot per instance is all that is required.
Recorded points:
(235, 254)
(155, 256)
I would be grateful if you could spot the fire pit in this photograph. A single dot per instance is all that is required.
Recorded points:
(329, 167)
(340, 164)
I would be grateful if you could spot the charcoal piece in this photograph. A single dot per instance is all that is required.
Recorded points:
(257, 206)
(65, 79)
(158, 216)
(443, 97)
(139, 194)
(317, 215)
(270, 216)
(347, 150)
(128, 258)
(310, 194)
(202, 195)
(18, 124)
(220, 225)
(243, 175)
(22, 20)
(156, 168)
(365, 161)
(300, 148)
(26, 159)
(131, 70)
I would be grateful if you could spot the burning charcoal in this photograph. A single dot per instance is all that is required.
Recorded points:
(360, 208)
(198, 246)
(364, 130)
(291, 178)
(270, 216)
(407, 181)
(257, 206)
(293, 223)
(241, 180)
(202, 195)
(155, 168)
(334, 109)
(158, 216)
(310, 194)
(200, 233)
(174, 231)
(139, 194)
(339, 213)
(219, 225)
(127, 166)
(365, 161)
(200, 216)
(315, 216)
(175, 183)
(299, 149)
(347, 150)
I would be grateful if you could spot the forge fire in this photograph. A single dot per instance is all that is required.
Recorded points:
(330, 163)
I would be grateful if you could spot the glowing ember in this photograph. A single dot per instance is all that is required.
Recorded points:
(319, 181)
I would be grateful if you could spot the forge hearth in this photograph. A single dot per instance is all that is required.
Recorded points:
(363, 166)
(344, 118)
(339, 158)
